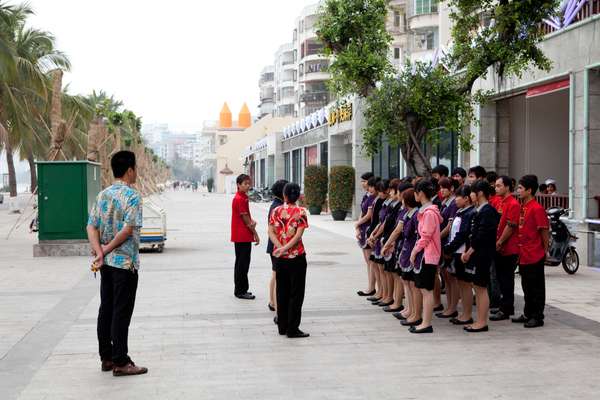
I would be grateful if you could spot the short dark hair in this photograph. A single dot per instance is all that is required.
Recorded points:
(442, 170)
(409, 198)
(404, 186)
(277, 188)
(292, 192)
(459, 171)
(394, 184)
(491, 177)
(372, 182)
(242, 178)
(464, 191)
(507, 181)
(121, 161)
(530, 182)
(383, 185)
(482, 186)
(426, 187)
(445, 183)
(366, 176)
(478, 171)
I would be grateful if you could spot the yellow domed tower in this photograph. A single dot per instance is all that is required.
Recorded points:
(225, 119)
(245, 118)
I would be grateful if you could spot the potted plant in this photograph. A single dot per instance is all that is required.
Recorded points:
(315, 188)
(341, 191)
(209, 184)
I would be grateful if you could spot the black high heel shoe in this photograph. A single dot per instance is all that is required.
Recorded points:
(271, 307)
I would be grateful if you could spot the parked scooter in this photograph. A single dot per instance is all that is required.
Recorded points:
(254, 196)
(562, 242)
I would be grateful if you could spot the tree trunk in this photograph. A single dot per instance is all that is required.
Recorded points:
(12, 175)
(33, 172)
(416, 160)
(57, 124)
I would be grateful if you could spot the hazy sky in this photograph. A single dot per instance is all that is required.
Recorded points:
(170, 61)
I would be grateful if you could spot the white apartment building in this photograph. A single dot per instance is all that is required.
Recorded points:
(285, 78)
(267, 91)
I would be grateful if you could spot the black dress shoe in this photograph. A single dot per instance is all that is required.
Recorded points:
(499, 316)
(388, 309)
(475, 330)
(442, 315)
(413, 329)
(457, 321)
(519, 320)
(438, 308)
(271, 307)
(298, 334)
(382, 304)
(415, 323)
(399, 316)
(373, 298)
(246, 296)
(534, 323)
(363, 294)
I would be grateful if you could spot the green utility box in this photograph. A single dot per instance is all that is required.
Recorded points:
(66, 192)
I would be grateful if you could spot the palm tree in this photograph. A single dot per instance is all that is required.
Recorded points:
(24, 93)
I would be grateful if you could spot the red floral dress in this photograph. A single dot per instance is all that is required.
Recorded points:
(287, 219)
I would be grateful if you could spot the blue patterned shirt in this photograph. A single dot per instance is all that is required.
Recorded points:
(116, 206)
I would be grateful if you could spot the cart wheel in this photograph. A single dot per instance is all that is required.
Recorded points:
(570, 261)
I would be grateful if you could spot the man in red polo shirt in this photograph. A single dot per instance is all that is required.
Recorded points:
(243, 233)
(507, 246)
(533, 246)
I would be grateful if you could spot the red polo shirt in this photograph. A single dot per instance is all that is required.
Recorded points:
(509, 209)
(532, 219)
(240, 233)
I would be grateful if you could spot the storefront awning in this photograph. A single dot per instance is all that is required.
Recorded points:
(548, 88)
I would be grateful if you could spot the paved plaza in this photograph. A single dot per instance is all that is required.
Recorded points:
(200, 342)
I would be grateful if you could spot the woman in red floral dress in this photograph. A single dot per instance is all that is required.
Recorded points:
(286, 226)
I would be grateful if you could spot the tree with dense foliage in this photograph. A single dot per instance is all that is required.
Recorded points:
(423, 101)
(503, 34)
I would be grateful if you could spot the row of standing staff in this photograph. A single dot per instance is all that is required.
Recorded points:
(462, 232)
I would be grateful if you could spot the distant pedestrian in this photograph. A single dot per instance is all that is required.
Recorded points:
(533, 247)
(114, 233)
(286, 227)
(277, 190)
(243, 234)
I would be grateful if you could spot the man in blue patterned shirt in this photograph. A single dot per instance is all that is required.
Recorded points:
(114, 234)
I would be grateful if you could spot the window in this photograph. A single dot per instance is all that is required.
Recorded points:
(287, 166)
(397, 18)
(324, 154)
(394, 163)
(426, 6)
(311, 155)
(430, 40)
(297, 167)
(263, 178)
(397, 53)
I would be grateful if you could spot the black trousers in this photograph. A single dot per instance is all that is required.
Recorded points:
(291, 282)
(505, 272)
(533, 282)
(117, 299)
(494, 290)
(242, 265)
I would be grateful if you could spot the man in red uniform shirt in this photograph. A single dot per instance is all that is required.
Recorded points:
(243, 233)
(533, 246)
(507, 246)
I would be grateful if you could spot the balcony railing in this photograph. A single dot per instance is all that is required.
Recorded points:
(575, 11)
(317, 96)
